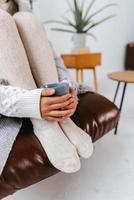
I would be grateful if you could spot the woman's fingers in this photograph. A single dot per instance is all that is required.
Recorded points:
(73, 91)
(59, 113)
(56, 100)
(47, 92)
(61, 105)
(70, 106)
(58, 108)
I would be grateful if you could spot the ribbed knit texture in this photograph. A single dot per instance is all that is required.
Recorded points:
(19, 102)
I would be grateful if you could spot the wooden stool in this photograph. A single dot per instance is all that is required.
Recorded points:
(81, 62)
(124, 77)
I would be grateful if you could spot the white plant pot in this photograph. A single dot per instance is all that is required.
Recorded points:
(79, 40)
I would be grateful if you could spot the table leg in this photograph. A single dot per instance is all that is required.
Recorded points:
(117, 89)
(121, 103)
(77, 75)
(82, 76)
(95, 80)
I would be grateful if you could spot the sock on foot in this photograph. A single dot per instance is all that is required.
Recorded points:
(61, 153)
(78, 137)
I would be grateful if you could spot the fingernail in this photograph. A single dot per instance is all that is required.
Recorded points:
(51, 90)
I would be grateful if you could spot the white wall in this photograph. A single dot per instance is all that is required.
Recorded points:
(112, 37)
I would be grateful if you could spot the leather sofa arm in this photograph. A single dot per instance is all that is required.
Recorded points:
(28, 163)
(96, 115)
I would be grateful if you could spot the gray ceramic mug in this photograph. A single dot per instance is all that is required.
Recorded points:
(60, 88)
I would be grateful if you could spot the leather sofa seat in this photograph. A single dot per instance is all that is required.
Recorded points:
(28, 163)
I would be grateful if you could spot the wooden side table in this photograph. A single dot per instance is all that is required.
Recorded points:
(125, 77)
(81, 62)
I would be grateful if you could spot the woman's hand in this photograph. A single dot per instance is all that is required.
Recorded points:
(57, 108)
(74, 103)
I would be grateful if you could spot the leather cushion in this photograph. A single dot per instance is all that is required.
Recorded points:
(28, 162)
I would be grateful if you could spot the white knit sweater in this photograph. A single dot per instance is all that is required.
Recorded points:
(17, 102)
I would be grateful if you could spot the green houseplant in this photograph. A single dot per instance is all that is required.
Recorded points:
(81, 20)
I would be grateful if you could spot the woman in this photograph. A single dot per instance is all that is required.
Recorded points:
(62, 141)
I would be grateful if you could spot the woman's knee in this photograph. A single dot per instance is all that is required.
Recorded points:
(25, 17)
(28, 22)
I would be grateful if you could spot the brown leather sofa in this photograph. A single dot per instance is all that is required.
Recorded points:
(28, 164)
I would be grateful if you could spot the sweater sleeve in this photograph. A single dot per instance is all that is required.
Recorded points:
(21, 103)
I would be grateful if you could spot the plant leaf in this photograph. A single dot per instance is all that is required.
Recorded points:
(76, 12)
(60, 22)
(76, 5)
(80, 23)
(62, 30)
(100, 10)
(89, 8)
(55, 21)
(68, 21)
(77, 16)
(99, 22)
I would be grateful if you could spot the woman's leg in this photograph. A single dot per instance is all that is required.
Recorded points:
(15, 68)
(44, 69)
(37, 47)
(14, 65)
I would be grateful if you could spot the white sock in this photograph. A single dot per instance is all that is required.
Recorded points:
(61, 153)
(78, 137)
